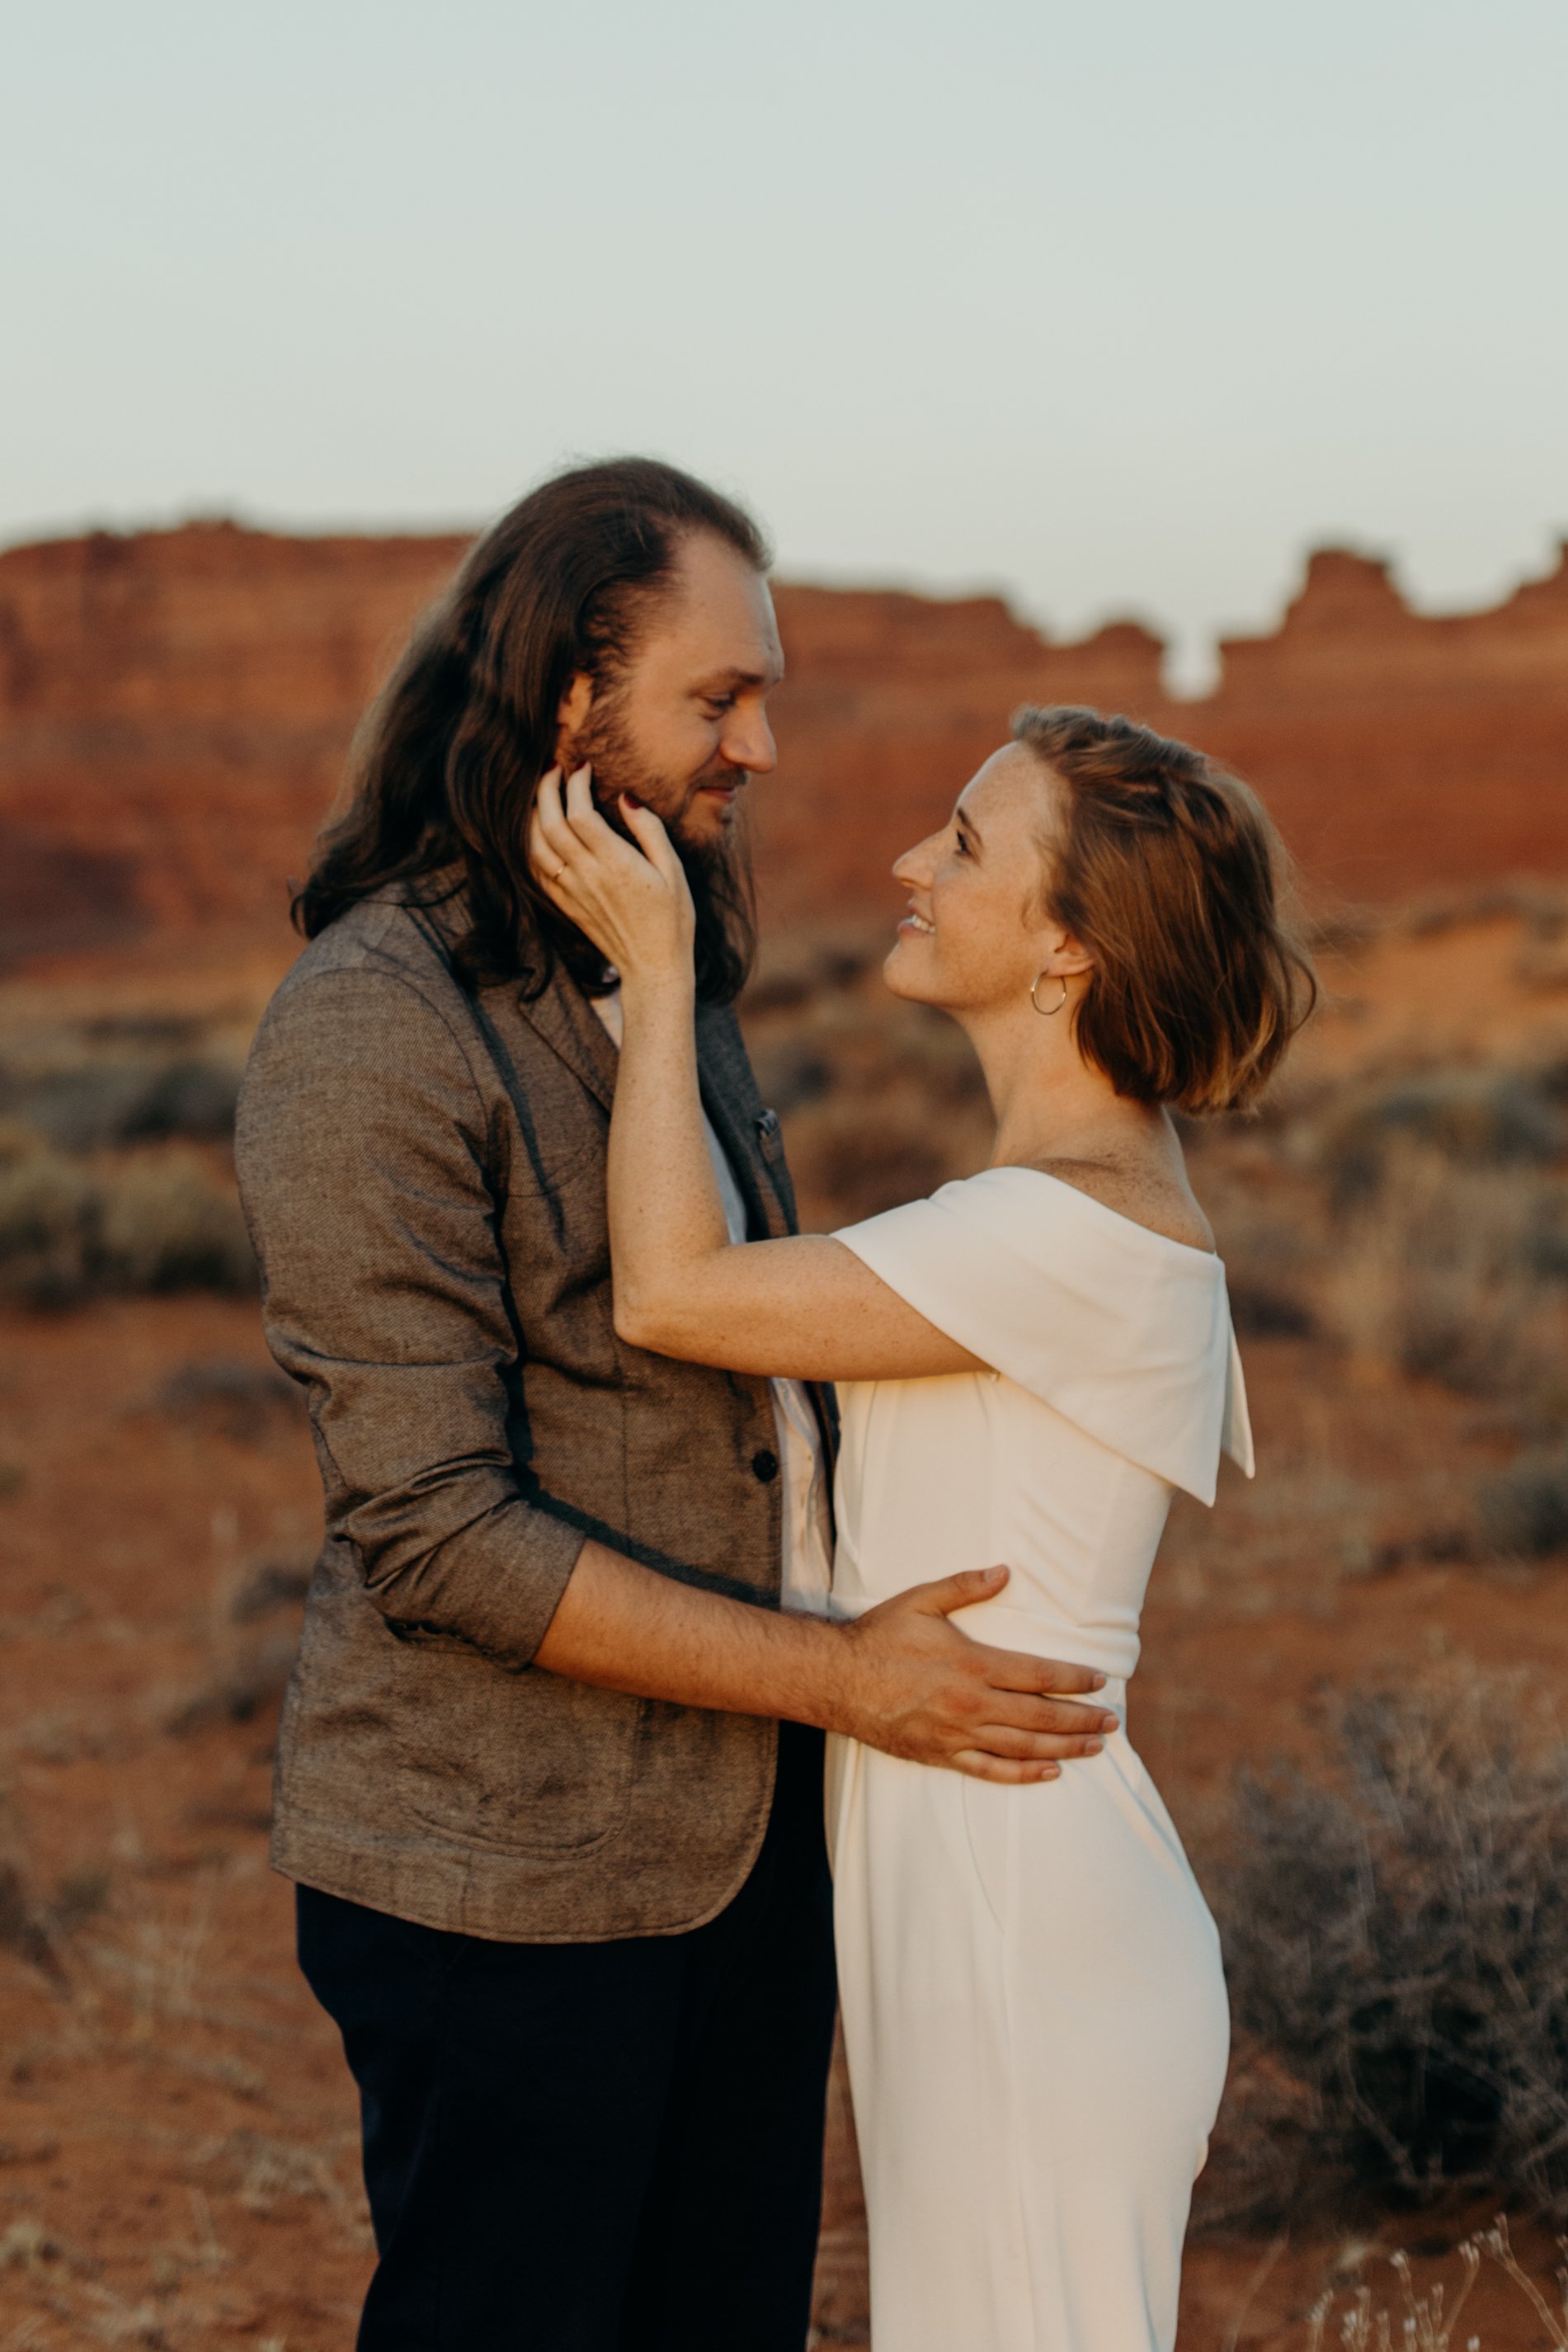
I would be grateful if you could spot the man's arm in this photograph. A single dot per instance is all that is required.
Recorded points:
(900, 1678)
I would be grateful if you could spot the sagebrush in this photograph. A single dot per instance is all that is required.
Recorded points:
(1396, 1946)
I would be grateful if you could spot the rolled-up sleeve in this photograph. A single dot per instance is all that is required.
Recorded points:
(362, 1154)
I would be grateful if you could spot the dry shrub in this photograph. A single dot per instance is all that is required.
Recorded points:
(165, 1225)
(1396, 1944)
(1435, 1274)
(1523, 1510)
(151, 1223)
(230, 1397)
(882, 1102)
(1269, 1235)
(94, 1105)
(850, 1162)
(1476, 1117)
(48, 1211)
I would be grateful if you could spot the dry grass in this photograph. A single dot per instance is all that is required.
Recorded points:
(1430, 2321)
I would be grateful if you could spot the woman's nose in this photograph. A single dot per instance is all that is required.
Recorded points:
(916, 867)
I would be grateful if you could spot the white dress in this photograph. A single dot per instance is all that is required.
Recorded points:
(1033, 2005)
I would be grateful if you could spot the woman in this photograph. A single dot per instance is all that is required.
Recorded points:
(1030, 1363)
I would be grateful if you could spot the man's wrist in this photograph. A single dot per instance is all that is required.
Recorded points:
(824, 1674)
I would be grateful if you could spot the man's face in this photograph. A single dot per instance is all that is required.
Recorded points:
(685, 728)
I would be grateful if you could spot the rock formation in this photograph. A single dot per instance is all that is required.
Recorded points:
(174, 711)
(175, 707)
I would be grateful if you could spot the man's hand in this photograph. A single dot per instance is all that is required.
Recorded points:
(900, 1677)
(916, 1686)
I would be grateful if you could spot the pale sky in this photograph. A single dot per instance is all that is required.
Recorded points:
(1117, 306)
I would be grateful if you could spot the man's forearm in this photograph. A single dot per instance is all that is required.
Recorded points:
(626, 1627)
(901, 1678)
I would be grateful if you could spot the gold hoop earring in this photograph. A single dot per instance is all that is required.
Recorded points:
(1049, 1010)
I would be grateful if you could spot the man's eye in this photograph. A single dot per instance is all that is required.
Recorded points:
(718, 703)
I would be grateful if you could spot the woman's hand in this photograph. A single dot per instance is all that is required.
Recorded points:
(629, 896)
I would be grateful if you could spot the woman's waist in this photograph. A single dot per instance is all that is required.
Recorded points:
(1051, 1633)
(1028, 1621)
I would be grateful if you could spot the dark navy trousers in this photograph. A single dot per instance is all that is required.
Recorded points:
(595, 2147)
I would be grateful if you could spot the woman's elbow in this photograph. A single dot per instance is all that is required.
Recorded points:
(638, 1320)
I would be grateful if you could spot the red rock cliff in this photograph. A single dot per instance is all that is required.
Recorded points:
(175, 706)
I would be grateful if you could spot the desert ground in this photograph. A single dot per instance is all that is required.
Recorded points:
(177, 2135)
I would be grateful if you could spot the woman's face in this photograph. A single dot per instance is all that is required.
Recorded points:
(976, 936)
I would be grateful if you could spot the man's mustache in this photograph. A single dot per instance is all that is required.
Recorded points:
(607, 795)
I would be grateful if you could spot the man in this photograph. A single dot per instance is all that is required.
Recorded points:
(549, 1765)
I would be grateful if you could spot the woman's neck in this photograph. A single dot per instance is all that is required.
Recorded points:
(1049, 1104)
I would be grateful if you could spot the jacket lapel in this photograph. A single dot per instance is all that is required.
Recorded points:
(750, 1134)
(561, 1014)
(563, 1017)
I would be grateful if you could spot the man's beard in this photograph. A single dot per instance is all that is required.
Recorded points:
(718, 872)
(604, 740)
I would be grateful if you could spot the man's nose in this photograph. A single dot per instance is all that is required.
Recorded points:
(749, 743)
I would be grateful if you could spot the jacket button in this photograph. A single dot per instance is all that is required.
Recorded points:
(765, 1465)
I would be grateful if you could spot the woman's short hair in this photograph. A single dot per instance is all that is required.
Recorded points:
(1169, 873)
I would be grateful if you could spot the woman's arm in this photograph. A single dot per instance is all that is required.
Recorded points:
(805, 1308)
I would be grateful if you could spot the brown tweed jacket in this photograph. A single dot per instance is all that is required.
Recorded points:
(423, 1169)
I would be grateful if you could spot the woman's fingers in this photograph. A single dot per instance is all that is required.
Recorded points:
(648, 830)
(549, 830)
(581, 816)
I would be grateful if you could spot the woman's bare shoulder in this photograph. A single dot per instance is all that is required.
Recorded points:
(1157, 1198)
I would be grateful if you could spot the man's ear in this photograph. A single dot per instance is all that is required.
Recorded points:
(571, 711)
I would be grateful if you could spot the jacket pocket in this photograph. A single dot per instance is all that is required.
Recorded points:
(527, 1764)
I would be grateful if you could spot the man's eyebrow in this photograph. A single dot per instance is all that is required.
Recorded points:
(735, 677)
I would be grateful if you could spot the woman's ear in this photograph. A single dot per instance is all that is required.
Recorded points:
(1064, 957)
(571, 714)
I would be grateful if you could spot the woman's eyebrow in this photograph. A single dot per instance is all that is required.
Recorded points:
(969, 825)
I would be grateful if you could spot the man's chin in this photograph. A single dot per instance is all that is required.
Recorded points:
(708, 818)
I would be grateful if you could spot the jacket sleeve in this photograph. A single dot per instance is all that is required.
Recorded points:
(361, 1161)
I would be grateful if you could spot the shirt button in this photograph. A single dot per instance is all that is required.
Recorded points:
(765, 1465)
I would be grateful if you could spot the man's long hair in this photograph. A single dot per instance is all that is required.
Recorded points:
(450, 756)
